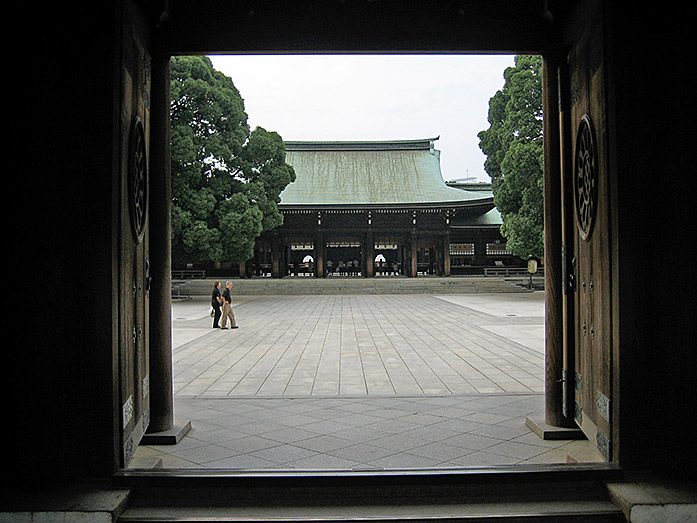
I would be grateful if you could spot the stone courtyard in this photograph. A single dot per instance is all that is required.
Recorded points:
(404, 345)
(361, 382)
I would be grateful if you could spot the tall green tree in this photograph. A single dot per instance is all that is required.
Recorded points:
(513, 146)
(226, 180)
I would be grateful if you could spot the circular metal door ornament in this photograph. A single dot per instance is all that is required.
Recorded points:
(586, 177)
(137, 179)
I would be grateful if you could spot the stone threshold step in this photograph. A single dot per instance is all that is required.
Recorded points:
(541, 511)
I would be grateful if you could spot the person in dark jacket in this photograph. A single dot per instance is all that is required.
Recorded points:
(216, 303)
(227, 308)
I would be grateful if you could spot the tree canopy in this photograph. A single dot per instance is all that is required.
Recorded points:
(226, 180)
(513, 146)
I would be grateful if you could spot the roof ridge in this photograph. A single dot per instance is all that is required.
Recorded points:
(419, 143)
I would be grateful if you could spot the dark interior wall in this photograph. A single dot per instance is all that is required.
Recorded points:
(654, 134)
(62, 383)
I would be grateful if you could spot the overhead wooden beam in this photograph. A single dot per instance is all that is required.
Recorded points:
(393, 26)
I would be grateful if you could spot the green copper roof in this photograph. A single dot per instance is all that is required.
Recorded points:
(403, 172)
(491, 218)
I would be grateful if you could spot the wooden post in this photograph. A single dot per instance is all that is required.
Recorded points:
(319, 255)
(413, 258)
(480, 258)
(275, 256)
(369, 255)
(163, 428)
(160, 337)
(554, 284)
(446, 254)
(254, 262)
(556, 424)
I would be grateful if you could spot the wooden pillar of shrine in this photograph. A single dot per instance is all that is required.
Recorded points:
(480, 253)
(369, 255)
(446, 254)
(413, 258)
(319, 255)
(276, 257)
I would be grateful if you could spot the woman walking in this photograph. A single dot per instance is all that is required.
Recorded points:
(216, 303)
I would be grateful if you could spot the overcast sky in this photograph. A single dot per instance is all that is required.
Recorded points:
(374, 97)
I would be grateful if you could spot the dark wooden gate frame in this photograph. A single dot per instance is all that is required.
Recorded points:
(64, 373)
(558, 339)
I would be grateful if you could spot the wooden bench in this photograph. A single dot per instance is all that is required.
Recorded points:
(510, 271)
(183, 274)
(180, 290)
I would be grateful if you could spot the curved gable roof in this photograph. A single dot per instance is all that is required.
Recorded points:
(375, 173)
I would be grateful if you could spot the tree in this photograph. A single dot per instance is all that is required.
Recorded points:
(513, 146)
(226, 180)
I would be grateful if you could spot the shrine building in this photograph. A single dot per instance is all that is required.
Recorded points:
(377, 208)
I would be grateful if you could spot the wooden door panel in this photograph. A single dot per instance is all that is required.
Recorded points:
(134, 240)
(592, 321)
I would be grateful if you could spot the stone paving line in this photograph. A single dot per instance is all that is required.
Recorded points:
(361, 382)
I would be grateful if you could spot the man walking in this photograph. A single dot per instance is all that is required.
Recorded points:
(227, 308)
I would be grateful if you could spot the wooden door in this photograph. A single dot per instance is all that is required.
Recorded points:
(133, 240)
(589, 244)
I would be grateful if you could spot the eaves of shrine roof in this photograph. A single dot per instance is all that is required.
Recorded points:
(491, 218)
(371, 174)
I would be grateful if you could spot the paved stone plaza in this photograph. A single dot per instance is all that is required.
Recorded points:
(404, 345)
(361, 381)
